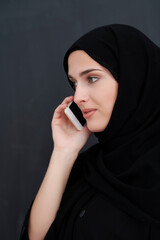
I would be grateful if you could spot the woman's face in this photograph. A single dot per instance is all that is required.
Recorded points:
(95, 89)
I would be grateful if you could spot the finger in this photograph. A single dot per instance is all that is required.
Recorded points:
(68, 99)
(59, 110)
(63, 105)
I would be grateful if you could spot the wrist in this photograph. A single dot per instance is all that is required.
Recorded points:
(64, 155)
(65, 151)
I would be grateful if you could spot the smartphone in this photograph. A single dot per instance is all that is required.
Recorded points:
(75, 115)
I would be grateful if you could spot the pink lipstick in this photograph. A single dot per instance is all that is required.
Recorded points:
(88, 112)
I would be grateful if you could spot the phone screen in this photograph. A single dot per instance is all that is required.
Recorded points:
(77, 112)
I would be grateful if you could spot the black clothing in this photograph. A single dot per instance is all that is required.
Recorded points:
(122, 172)
(101, 219)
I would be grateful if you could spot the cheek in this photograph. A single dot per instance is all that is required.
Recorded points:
(108, 101)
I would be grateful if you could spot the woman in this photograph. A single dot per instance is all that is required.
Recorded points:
(111, 191)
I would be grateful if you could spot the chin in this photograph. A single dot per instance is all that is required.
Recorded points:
(96, 128)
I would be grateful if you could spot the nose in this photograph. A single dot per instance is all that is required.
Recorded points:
(80, 95)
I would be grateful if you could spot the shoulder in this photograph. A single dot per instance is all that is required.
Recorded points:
(77, 170)
(85, 156)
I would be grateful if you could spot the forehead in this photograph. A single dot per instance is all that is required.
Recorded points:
(79, 61)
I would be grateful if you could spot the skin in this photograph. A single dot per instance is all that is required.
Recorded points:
(95, 89)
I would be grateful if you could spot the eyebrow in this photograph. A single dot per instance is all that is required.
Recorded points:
(87, 71)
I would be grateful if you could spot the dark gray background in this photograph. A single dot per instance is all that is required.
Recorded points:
(34, 36)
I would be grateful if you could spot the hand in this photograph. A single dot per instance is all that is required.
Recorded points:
(65, 135)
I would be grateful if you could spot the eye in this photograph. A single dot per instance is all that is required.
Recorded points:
(92, 79)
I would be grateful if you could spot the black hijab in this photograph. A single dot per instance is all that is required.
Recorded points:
(125, 164)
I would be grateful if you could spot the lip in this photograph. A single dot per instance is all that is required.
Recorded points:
(88, 112)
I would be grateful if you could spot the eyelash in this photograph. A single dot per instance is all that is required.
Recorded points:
(90, 79)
